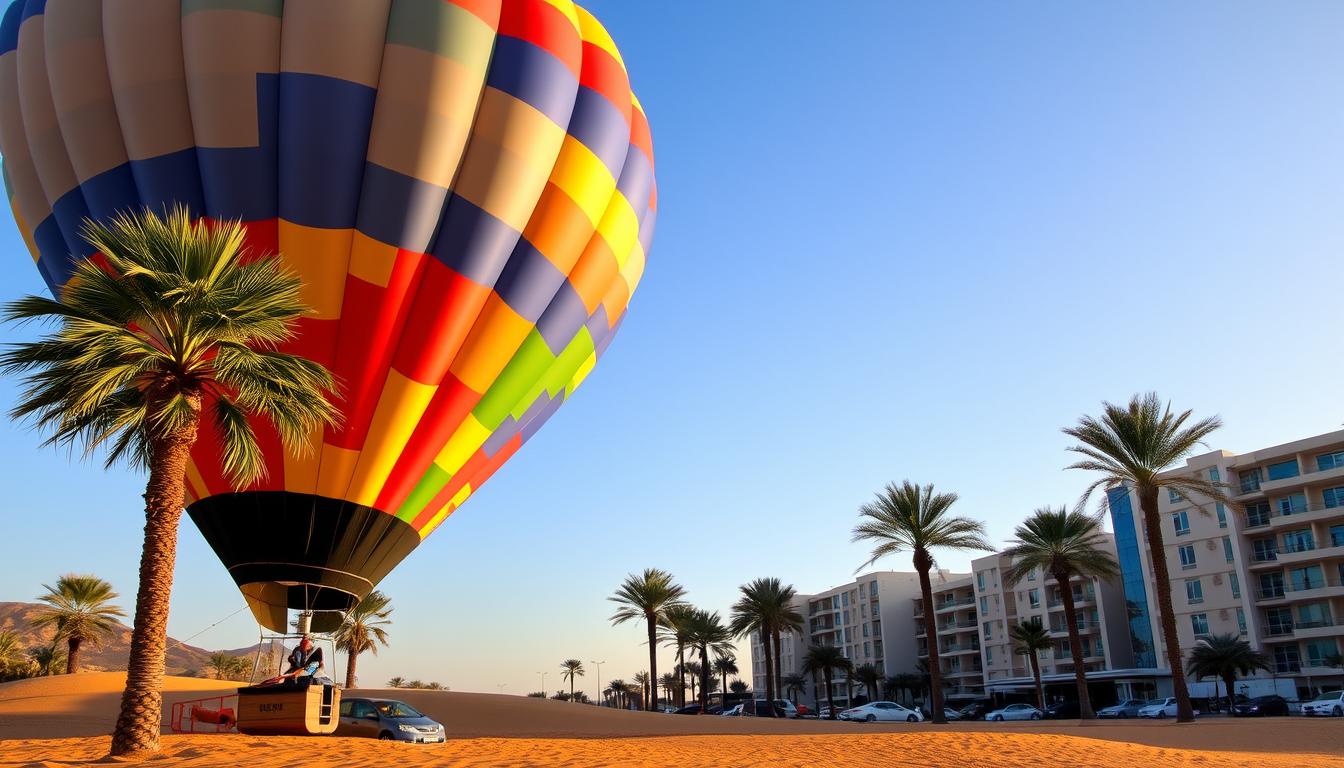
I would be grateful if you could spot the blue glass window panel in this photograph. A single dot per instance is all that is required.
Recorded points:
(1132, 579)
(1293, 504)
(1330, 461)
(1333, 497)
(1283, 470)
(1222, 514)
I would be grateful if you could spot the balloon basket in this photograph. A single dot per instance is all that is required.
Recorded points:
(288, 709)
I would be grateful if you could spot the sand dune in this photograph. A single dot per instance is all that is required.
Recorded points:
(64, 720)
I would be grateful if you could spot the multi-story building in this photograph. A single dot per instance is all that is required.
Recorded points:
(1270, 569)
(957, 630)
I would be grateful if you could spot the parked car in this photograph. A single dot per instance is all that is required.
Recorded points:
(1015, 712)
(387, 719)
(689, 709)
(1061, 710)
(951, 714)
(790, 709)
(1160, 708)
(882, 710)
(1261, 706)
(1126, 708)
(976, 710)
(755, 708)
(1328, 704)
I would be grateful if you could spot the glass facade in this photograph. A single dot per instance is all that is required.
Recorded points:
(1187, 553)
(1131, 570)
(1199, 622)
(1222, 514)
(1180, 521)
(1283, 470)
(1333, 497)
(1330, 461)
(1293, 504)
(1257, 514)
(1227, 548)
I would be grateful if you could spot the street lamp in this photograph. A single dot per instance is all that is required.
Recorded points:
(543, 682)
(599, 679)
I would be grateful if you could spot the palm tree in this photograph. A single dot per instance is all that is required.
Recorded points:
(691, 669)
(708, 635)
(363, 630)
(176, 327)
(11, 655)
(1131, 446)
(766, 608)
(795, 685)
(724, 666)
(648, 597)
(642, 680)
(616, 691)
(668, 682)
(79, 609)
(914, 518)
(870, 676)
(825, 659)
(674, 626)
(1064, 544)
(1224, 657)
(1029, 639)
(907, 682)
(738, 687)
(48, 658)
(570, 669)
(396, 682)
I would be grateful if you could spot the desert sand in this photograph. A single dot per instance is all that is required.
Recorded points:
(65, 721)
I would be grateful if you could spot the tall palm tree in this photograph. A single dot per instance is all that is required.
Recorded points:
(674, 628)
(1029, 639)
(724, 666)
(1224, 657)
(177, 328)
(795, 685)
(570, 669)
(642, 680)
(647, 596)
(870, 676)
(363, 630)
(1064, 544)
(79, 609)
(708, 635)
(826, 659)
(766, 608)
(1131, 446)
(913, 518)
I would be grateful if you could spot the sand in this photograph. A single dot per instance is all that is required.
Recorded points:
(65, 721)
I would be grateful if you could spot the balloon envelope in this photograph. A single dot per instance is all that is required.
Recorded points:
(466, 188)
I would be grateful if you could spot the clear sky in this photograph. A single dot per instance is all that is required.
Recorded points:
(895, 240)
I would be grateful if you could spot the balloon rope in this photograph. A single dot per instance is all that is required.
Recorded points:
(216, 624)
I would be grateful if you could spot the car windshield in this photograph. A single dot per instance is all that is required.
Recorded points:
(1327, 696)
(1157, 702)
(396, 709)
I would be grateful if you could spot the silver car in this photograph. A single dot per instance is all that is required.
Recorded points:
(1015, 712)
(387, 719)
(1126, 708)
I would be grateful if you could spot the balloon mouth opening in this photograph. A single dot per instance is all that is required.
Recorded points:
(271, 601)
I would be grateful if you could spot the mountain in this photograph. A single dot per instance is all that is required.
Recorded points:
(182, 659)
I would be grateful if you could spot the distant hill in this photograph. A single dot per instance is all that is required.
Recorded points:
(182, 659)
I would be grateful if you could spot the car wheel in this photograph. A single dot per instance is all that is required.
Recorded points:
(1123, 716)
(1035, 715)
(911, 719)
(870, 719)
(385, 736)
(998, 718)
(1338, 711)
(1162, 714)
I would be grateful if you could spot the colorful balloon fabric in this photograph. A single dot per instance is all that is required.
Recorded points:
(466, 188)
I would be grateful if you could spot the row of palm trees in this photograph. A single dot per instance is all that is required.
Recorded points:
(79, 611)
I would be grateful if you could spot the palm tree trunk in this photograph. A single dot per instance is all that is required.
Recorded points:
(571, 689)
(652, 620)
(350, 669)
(681, 674)
(141, 715)
(769, 677)
(72, 654)
(923, 563)
(1157, 554)
(830, 697)
(704, 679)
(1229, 682)
(1075, 647)
(779, 678)
(1036, 673)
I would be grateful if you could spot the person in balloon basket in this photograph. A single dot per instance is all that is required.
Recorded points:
(304, 662)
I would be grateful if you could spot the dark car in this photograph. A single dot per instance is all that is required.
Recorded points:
(1261, 706)
(1062, 710)
(689, 709)
(976, 710)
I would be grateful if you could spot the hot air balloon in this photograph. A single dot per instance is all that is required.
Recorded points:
(466, 188)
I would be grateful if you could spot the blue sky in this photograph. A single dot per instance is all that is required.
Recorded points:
(895, 241)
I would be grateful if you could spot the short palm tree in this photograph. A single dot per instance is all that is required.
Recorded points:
(641, 679)
(674, 628)
(396, 682)
(692, 670)
(647, 596)
(909, 517)
(724, 666)
(826, 659)
(1029, 639)
(708, 635)
(1224, 657)
(766, 608)
(739, 687)
(870, 676)
(668, 682)
(13, 661)
(221, 664)
(178, 327)
(1064, 544)
(79, 609)
(1131, 446)
(48, 658)
(364, 629)
(570, 669)
(617, 691)
(795, 685)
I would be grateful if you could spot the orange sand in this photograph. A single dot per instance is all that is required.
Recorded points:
(64, 721)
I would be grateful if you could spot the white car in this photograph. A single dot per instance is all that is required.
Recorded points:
(1160, 708)
(1328, 704)
(790, 709)
(1015, 712)
(881, 710)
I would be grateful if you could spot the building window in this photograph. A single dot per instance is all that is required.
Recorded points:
(1286, 659)
(1333, 497)
(1264, 549)
(1241, 621)
(1293, 504)
(1227, 548)
(845, 619)
(1181, 522)
(1310, 577)
(1214, 476)
(1200, 623)
(989, 654)
(980, 581)
(1313, 615)
(1194, 592)
(1330, 461)
(1283, 470)
(867, 650)
(988, 629)
(1249, 480)
(1222, 514)
(1235, 583)
(1034, 597)
(1319, 652)
(1173, 496)
(1187, 553)
(1257, 513)
(1031, 576)
(863, 610)
(1337, 535)
(872, 588)
(844, 599)
(1271, 585)
(984, 604)
(1298, 541)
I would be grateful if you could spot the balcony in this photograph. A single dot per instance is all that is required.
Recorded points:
(1301, 516)
(956, 626)
(1303, 554)
(1084, 627)
(1306, 590)
(959, 649)
(952, 605)
(1303, 630)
